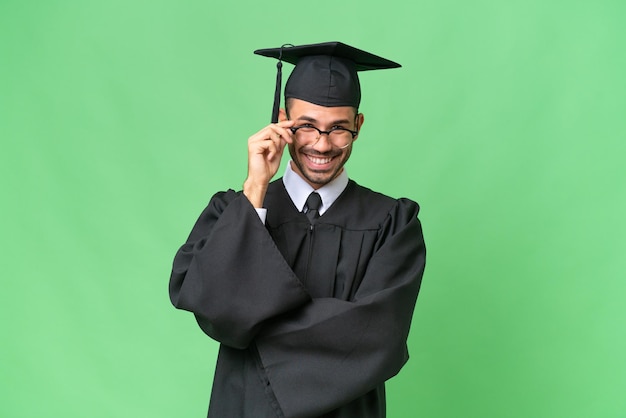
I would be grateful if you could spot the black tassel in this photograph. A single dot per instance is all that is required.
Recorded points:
(279, 79)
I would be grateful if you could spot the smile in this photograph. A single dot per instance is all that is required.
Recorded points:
(319, 160)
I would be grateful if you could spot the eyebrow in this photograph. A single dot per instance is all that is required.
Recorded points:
(313, 120)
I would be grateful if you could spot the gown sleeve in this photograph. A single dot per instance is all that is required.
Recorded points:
(331, 351)
(230, 274)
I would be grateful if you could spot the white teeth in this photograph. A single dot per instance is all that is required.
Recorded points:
(319, 160)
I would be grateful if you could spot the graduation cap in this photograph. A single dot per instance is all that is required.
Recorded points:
(325, 74)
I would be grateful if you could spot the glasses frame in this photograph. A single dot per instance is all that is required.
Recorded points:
(295, 129)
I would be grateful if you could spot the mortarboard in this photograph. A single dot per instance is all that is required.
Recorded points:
(324, 74)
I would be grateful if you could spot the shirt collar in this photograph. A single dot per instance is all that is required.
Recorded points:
(299, 189)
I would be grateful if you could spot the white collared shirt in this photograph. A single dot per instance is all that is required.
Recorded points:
(299, 190)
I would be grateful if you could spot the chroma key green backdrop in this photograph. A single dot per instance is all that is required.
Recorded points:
(119, 120)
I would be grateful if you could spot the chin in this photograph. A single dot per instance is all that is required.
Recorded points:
(319, 178)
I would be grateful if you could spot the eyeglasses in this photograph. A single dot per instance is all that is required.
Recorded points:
(339, 136)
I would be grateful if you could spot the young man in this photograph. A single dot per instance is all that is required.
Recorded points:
(308, 282)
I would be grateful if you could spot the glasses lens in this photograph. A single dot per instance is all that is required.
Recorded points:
(306, 134)
(340, 138)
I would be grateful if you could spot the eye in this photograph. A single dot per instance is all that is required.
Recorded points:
(307, 127)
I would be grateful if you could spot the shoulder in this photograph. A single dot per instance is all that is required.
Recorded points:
(376, 198)
(360, 207)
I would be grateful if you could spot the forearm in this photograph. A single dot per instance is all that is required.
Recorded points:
(231, 275)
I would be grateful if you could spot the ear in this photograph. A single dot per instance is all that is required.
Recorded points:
(282, 115)
(359, 122)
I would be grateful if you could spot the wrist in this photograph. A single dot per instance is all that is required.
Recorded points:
(254, 192)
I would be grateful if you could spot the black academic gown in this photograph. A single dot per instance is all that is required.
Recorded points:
(312, 319)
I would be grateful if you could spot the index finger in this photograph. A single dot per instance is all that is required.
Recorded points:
(281, 128)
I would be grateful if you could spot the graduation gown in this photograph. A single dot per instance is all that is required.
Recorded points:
(312, 319)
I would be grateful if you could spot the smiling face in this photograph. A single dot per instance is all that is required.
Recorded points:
(321, 162)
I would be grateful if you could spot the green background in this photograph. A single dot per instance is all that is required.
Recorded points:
(119, 120)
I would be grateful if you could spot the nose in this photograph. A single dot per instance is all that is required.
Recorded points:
(323, 143)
